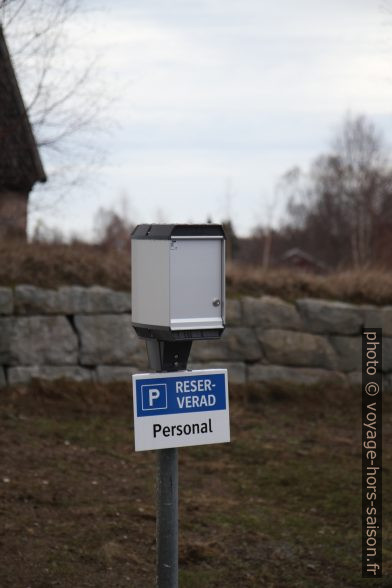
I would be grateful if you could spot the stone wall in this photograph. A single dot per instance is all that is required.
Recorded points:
(86, 334)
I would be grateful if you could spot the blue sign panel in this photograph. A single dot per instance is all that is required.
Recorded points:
(180, 394)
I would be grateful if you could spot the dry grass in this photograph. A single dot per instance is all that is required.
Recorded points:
(53, 265)
(278, 507)
(362, 286)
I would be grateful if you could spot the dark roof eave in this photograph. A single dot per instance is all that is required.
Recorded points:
(38, 167)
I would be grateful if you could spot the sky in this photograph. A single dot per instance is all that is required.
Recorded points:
(212, 101)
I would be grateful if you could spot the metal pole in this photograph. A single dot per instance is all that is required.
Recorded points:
(169, 356)
(167, 518)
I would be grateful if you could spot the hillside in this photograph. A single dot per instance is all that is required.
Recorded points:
(53, 265)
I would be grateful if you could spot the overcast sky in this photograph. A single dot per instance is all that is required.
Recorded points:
(216, 99)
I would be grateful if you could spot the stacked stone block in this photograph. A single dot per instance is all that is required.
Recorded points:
(86, 334)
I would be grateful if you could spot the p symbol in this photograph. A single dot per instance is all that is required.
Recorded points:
(154, 397)
(153, 394)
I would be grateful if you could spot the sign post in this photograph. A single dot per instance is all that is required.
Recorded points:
(178, 296)
(166, 481)
(167, 518)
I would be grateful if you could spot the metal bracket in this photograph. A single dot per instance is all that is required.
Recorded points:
(168, 356)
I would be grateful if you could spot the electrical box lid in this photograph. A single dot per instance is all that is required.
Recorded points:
(167, 232)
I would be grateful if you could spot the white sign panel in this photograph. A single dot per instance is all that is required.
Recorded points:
(178, 409)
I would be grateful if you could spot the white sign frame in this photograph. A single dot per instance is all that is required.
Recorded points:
(181, 429)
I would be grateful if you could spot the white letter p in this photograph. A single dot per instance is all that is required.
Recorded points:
(153, 394)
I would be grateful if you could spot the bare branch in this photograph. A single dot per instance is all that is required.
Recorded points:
(63, 96)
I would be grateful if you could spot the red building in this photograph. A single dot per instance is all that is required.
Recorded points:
(20, 162)
(299, 259)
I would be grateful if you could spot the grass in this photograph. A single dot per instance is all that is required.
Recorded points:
(366, 285)
(279, 506)
(53, 265)
(49, 265)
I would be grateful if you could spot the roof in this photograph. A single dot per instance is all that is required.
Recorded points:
(298, 253)
(20, 162)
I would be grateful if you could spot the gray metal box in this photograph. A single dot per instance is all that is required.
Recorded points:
(178, 281)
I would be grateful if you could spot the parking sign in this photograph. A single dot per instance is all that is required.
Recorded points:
(178, 409)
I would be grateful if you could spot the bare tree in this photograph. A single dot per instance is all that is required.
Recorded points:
(63, 97)
(361, 152)
(270, 214)
(113, 228)
(340, 204)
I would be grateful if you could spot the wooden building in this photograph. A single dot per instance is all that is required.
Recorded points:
(297, 258)
(20, 163)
